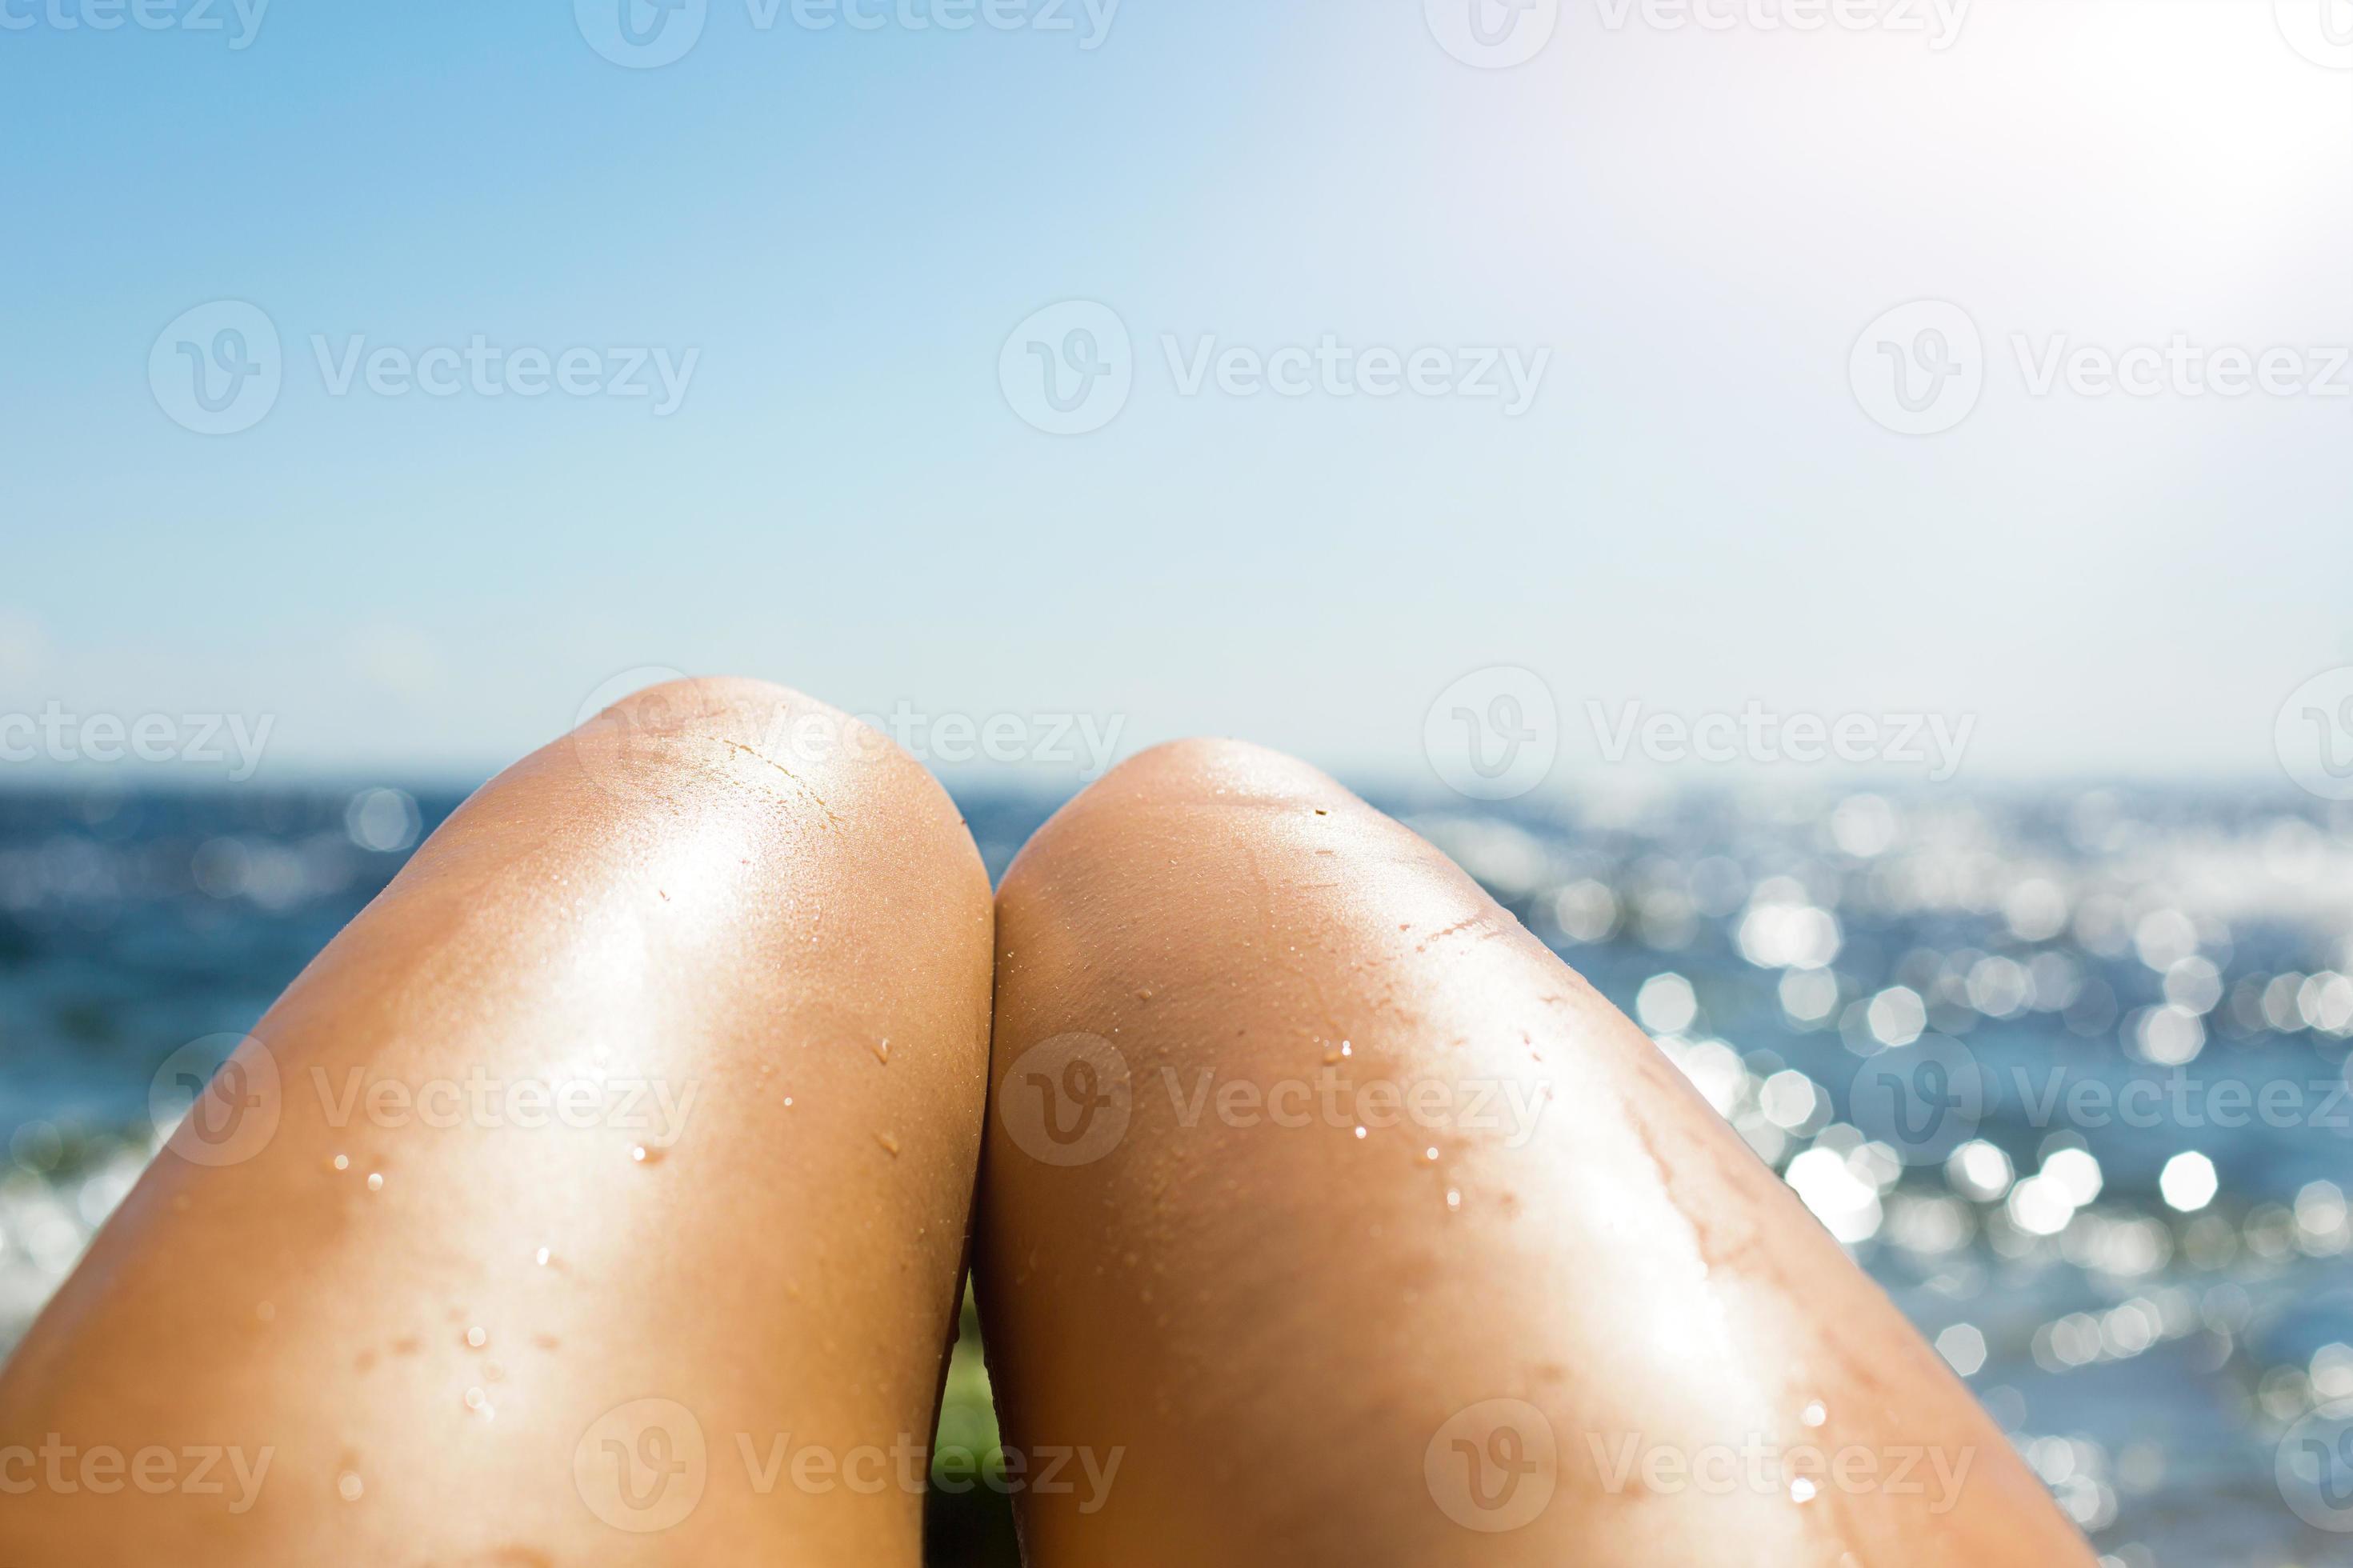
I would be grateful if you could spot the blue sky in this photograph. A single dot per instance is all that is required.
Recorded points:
(842, 227)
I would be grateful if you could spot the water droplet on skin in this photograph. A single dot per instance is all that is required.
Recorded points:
(343, 1161)
(476, 1338)
(882, 1052)
(1814, 1414)
(789, 1102)
(543, 1256)
(1346, 1049)
(349, 1486)
(1453, 1199)
(888, 1142)
(1361, 1132)
(479, 1402)
(1430, 1153)
(647, 1154)
(1801, 1491)
(376, 1181)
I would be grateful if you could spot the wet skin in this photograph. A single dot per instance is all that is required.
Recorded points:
(411, 1307)
(1532, 1302)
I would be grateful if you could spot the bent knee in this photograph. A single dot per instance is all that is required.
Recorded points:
(717, 783)
(1191, 824)
(1206, 872)
(732, 730)
(1193, 802)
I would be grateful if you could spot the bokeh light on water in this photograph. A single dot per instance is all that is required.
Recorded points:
(2067, 1073)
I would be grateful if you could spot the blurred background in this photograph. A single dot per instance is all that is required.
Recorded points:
(1837, 518)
